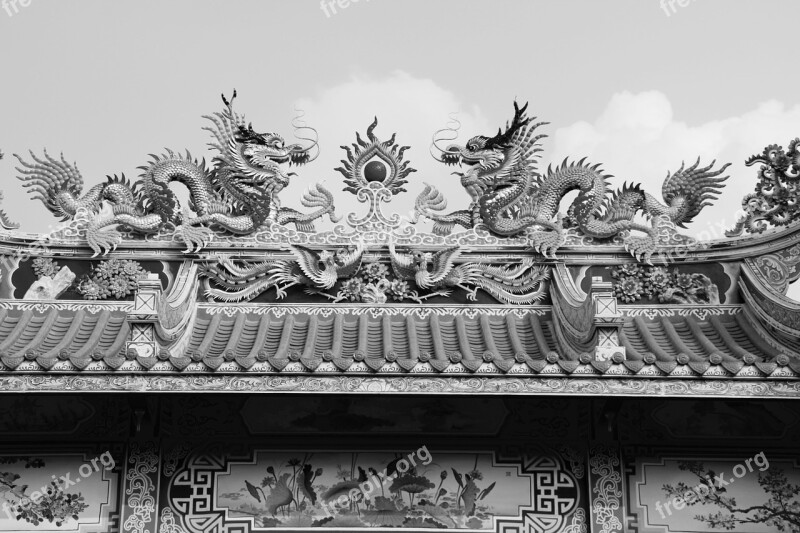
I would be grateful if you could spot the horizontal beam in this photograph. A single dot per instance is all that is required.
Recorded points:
(402, 385)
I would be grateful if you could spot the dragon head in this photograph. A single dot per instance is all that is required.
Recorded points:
(491, 163)
(250, 165)
(266, 149)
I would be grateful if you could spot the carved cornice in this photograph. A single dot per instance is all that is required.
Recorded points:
(701, 312)
(252, 247)
(326, 310)
(526, 368)
(551, 386)
(42, 306)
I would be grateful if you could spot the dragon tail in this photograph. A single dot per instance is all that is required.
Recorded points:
(57, 184)
(624, 203)
(689, 190)
(319, 197)
(445, 227)
(288, 215)
(430, 203)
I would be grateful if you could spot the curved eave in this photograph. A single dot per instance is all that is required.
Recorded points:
(61, 346)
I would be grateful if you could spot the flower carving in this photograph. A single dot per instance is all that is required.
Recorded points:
(635, 282)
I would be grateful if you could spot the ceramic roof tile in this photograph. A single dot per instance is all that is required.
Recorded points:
(61, 333)
(407, 339)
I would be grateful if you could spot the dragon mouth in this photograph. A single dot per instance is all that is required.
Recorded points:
(298, 158)
(293, 155)
(290, 158)
(449, 158)
(468, 165)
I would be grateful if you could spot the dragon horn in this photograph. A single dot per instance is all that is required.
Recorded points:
(229, 104)
(519, 121)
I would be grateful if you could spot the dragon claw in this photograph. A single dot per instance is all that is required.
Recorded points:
(546, 242)
(641, 248)
(195, 237)
(103, 242)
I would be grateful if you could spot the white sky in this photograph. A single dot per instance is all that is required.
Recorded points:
(620, 81)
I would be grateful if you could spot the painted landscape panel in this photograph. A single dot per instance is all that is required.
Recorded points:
(414, 489)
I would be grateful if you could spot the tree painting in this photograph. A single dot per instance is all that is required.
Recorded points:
(52, 505)
(780, 508)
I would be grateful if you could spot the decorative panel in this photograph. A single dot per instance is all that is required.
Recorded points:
(748, 490)
(60, 488)
(280, 490)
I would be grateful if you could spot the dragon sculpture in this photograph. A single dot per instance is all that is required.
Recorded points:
(775, 200)
(510, 197)
(228, 281)
(238, 195)
(519, 284)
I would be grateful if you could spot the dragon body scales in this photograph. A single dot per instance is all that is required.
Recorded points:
(238, 194)
(509, 195)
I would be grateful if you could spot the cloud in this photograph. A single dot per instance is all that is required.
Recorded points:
(637, 138)
(412, 107)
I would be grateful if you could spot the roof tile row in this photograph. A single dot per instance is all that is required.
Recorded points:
(719, 346)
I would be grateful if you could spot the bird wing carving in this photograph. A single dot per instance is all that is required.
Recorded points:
(310, 262)
(402, 264)
(348, 263)
(442, 265)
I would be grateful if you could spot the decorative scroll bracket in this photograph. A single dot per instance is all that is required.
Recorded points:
(605, 482)
(139, 508)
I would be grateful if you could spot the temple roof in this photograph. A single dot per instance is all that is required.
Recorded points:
(298, 340)
(508, 294)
